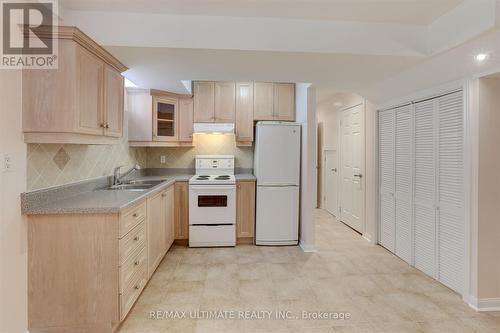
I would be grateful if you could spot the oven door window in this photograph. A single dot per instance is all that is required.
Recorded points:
(212, 201)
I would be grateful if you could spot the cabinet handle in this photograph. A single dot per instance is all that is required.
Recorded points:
(136, 238)
(137, 286)
(163, 195)
(107, 126)
(137, 262)
(134, 215)
(102, 126)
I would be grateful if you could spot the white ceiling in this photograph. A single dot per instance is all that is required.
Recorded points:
(420, 12)
(164, 68)
(165, 42)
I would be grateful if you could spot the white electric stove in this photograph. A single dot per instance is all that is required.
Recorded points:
(212, 202)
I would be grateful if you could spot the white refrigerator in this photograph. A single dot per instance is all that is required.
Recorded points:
(277, 168)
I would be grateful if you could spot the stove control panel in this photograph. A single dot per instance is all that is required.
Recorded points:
(220, 164)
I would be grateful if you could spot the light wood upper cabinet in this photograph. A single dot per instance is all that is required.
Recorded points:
(165, 118)
(90, 110)
(181, 207)
(140, 115)
(274, 101)
(244, 111)
(284, 101)
(245, 211)
(81, 102)
(214, 102)
(263, 101)
(113, 102)
(159, 118)
(225, 102)
(186, 119)
(204, 101)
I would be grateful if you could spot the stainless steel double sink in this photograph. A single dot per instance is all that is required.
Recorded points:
(135, 185)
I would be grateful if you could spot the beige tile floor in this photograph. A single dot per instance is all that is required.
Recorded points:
(380, 292)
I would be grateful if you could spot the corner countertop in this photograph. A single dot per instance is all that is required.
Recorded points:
(90, 197)
(245, 176)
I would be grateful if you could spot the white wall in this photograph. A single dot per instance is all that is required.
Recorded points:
(305, 102)
(13, 242)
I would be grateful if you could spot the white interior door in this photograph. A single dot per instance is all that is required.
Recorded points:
(403, 182)
(330, 184)
(352, 161)
(387, 230)
(422, 203)
(451, 212)
(424, 245)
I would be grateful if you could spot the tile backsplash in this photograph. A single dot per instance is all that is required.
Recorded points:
(56, 164)
(204, 144)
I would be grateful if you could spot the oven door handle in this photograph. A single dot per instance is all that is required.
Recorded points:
(211, 187)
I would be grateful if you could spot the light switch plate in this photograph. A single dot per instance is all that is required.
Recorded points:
(163, 159)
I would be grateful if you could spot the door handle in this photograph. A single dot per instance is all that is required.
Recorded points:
(359, 175)
(334, 169)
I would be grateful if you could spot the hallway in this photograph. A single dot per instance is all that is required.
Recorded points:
(378, 291)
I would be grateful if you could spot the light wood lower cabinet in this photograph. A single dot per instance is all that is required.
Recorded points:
(160, 227)
(245, 212)
(85, 271)
(181, 208)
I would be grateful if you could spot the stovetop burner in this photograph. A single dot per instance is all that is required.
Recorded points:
(213, 179)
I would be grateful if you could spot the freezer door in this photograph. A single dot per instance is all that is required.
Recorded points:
(277, 215)
(277, 154)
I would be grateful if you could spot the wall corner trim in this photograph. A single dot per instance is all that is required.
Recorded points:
(485, 304)
(309, 248)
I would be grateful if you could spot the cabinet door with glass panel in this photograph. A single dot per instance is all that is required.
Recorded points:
(165, 118)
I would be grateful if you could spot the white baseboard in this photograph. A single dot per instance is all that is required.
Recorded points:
(307, 247)
(367, 237)
(485, 304)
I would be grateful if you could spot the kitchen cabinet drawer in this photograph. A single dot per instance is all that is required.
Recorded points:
(132, 292)
(131, 218)
(136, 263)
(132, 241)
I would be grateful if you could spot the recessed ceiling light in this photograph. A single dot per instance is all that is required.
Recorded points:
(481, 57)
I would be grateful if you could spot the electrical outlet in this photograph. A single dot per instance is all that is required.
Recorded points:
(7, 163)
(163, 159)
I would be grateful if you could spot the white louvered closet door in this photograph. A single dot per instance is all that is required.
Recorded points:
(451, 213)
(386, 160)
(424, 232)
(403, 182)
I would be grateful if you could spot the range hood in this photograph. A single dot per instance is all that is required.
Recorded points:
(213, 128)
